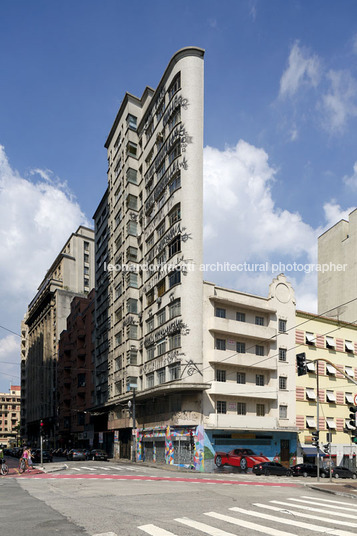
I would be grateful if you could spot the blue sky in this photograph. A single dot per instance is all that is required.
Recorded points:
(279, 76)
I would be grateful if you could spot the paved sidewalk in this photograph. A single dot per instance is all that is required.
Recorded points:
(347, 489)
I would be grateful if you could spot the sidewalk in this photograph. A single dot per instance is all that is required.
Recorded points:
(345, 489)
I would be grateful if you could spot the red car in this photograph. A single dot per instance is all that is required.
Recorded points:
(243, 458)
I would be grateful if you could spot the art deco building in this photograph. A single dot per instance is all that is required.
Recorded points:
(155, 150)
(322, 338)
(10, 416)
(71, 274)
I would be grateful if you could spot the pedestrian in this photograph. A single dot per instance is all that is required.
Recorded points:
(25, 457)
(30, 459)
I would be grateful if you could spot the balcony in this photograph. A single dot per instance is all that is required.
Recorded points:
(246, 330)
(247, 390)
(242, 360)
(241, 422)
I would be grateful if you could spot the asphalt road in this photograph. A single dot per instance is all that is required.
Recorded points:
(118, 499)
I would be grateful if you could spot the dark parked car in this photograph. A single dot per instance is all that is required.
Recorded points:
(98, 454)
(76, 454)
(304, 469)
(271, 468)
(46, 456)
(343, 472)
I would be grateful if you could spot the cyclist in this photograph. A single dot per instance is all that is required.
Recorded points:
(25, 458)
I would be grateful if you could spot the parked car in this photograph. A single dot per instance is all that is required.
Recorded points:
(304, 469)
(271, 468)
(98, 454)
(46, 456)
(76, 454)
(243, 458)
(343, 472)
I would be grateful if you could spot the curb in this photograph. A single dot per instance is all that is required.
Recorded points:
(54, 469)
(333, 492)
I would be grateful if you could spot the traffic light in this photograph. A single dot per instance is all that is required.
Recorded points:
(315, 438)
(42, 424)
(353, 416)
(301, 364)
(192, 440)
(327, 448)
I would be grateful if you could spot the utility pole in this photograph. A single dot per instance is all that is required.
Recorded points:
(318, 421)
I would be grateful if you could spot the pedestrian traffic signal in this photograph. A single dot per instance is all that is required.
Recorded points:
(353, 416)
(301, 364)
(327, 448)
(42, 424)
(315, 438)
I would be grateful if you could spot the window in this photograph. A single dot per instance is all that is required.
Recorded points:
(282, 326)
(132, 331)
(175, 214)
(150, 241)
(174, 278)
(81, 380)
(132, 305)
(259, 350)
(118, 338)
(118, 363)
(220, 313)
(150, 324)
(133, 279)
(283, 412)
(161, 317)
(131, 175)
(330, 343)
(175, 341)
(161, 347)
(118, 290)
(131, 121)
(240, 347)
(161, 171)
(161, 376)
(86, 246)
(220, 375)
(220, 344)
(80, 419)
(131, 148)
(259, 320)
(150, 381)
(175, 246)
(175, 308)
(241, 408)
(310, 338)
(221, 406)
(174, 372)
(175, 184)
(349, 346)
(161, 288)
(131, 254)
(175, 85)
(150, 352)
(161, 230)
(260, 410)
(176, 151)
(282, 354)
(259, 379)
(330, 396)
(240, 377)
(240, 317)
(132, 228)
(132, 202)
(150, 297)
(282, 382)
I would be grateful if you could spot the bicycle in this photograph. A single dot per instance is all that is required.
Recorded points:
(22, 466)
(4, 469)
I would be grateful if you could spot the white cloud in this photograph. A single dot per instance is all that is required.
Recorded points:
(303, 70)
(36, 218)
(243, 224)
(351, 181)
(339, 103)
(9, 361)
(334, 213)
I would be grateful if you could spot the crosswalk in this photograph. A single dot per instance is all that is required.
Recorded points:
(273, 518)
(95, 469)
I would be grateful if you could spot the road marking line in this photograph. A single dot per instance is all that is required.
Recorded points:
(155, 531)
(310, 509)
(75, 469)
(88, 468)
(213, 531)
(316, 503)
(106, 534)
(293, 522)
(304, 515)
(326, 500)
(117, 468)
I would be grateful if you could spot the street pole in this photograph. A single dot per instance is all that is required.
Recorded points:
(318, 421)
(41, 448)
(329, 457)
(134, 427)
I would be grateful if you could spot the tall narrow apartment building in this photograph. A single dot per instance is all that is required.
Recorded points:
(71, 274)
(155, 151)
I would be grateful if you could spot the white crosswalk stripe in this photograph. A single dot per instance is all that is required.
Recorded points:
(88, 468)
(305, 515)
(292, 522)
(311, 509)
(102, 468)
(316, 503)
(263, 519)
(326, 500)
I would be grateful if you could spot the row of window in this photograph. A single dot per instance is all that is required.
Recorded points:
(241, 317)
(162, 347)
(221, 344)
(240, 408)
(260, 380)
(329, 342)
(174, 310)
(172, 374)
(330, 396)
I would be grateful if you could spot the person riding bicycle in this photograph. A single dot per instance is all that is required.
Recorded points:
(25, 458)
(1, 455)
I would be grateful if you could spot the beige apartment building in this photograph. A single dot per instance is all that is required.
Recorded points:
(337, 283)
(335, 341)
(10, 416)
(71, 274)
